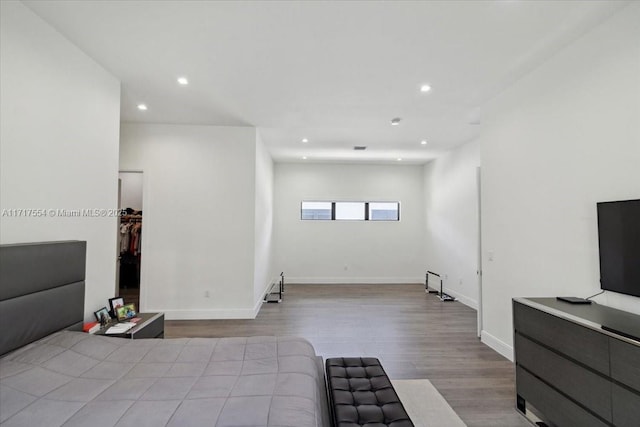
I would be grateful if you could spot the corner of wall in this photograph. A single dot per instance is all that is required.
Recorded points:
(500, 346)
(263, 222)
(451, 220)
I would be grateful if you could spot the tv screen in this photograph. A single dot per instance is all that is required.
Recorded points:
(619, 242)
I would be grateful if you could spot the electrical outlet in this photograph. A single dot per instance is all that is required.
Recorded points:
(206, 294)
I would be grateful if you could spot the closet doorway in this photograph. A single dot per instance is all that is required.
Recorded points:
(129, 258)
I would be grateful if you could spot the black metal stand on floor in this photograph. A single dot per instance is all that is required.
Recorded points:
(443, 297)
(275, 296)
(426, 284)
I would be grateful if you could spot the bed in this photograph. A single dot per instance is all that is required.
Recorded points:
(53, 375)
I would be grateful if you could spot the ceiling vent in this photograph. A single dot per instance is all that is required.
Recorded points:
(360, 147)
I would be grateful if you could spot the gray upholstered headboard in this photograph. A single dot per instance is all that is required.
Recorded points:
(41, 290)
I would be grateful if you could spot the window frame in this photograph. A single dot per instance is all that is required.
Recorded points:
(366, 210)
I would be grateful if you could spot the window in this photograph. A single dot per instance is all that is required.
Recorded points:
(350, 211)
(384, 211)
(316, 210)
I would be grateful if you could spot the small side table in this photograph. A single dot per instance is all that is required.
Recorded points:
(151, 325)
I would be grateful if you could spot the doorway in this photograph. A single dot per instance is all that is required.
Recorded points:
(129, 260)
(479, 261)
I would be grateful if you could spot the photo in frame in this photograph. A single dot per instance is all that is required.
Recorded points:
(127, 311)
(114, 304)
(100, 312)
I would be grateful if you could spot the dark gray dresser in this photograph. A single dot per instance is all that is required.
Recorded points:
(577, 365)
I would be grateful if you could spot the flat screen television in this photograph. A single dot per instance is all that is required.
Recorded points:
(619, 243)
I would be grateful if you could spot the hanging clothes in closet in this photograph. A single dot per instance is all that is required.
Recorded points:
(130, 239)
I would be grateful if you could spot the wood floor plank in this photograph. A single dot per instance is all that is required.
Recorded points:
(414, 335)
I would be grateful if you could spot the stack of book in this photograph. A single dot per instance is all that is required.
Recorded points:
(91, 327)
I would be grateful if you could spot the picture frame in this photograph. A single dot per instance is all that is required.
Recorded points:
(115, 303)
(100, 312)
(127, 311)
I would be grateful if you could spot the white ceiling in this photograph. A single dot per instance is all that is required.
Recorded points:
(333, 72)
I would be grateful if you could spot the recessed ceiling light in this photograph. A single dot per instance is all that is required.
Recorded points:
(399, 159)
(305, 140)
(395, 121)
(425, 88)
(142, 107)
(183, 81)
(304, 157)
(423, 142)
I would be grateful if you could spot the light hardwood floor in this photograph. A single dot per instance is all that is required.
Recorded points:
(414, 335)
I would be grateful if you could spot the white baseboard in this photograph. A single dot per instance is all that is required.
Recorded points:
(500, 346)
(354, 280)
(216, 313)
(462, 298)
(210, 314)
(258, 305)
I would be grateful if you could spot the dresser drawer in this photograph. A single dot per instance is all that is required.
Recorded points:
(625, 363)
(152, 328)
(577, 342)
(556, 408)
(626, 407)
(582, 385)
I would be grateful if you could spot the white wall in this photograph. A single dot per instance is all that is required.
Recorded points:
(451, 216)
(131, 190)
(263, 268)
(199, 217)
(59, 116)
(561, 139)
(349, 251)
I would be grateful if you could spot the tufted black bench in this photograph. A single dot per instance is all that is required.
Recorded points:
(360, 394)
